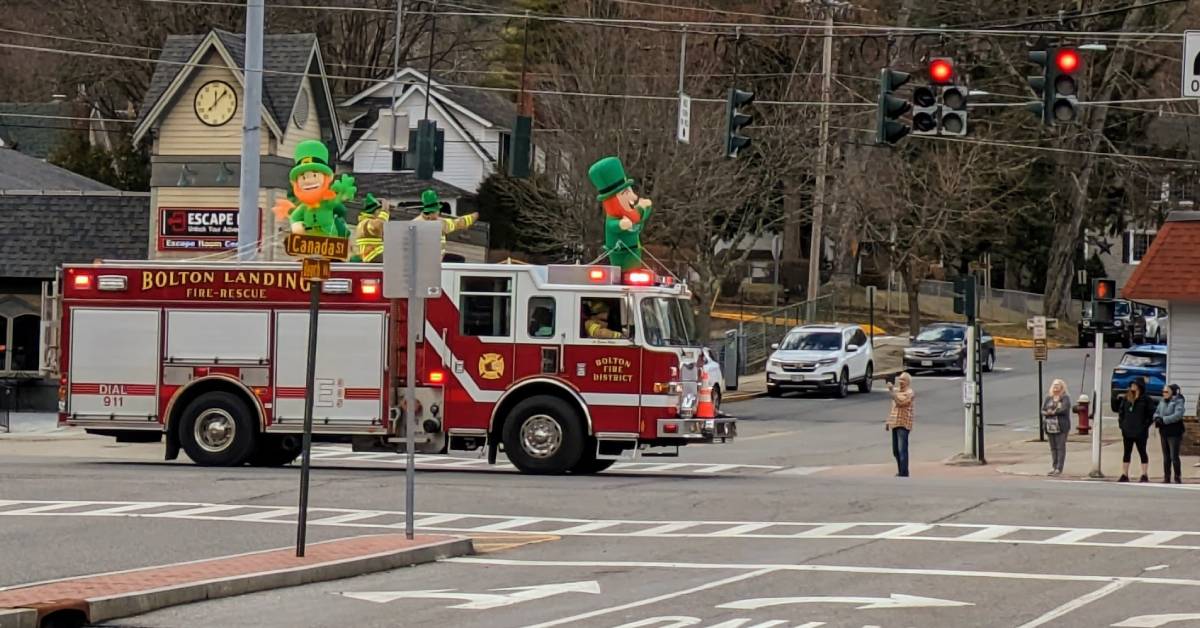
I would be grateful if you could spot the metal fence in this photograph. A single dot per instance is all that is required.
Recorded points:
(759, 333)
(936, 297)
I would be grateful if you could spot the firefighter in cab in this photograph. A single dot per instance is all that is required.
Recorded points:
(596, 325)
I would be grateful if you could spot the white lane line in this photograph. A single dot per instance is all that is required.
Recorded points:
(346, 518)
(1077, 603)
(665, 529)
(203, 510)
(515, 522)
(654, 600)
(742, 529)
(44, 508)
(1154, 539)
(989, 533)
(905, 530)
(829, 529)
(584, 528)
(1072, 536)
(436, 520)
(266, 515)
(901, 571)
(127, 508)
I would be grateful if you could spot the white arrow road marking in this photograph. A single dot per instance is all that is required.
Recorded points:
(897, 600)
(480, 601)
(1154, 621)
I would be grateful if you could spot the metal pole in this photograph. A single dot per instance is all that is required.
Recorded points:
(871, 308)
(1041, 423)
(969, 411)
(396, 71)
(977, 367)
(815, 248)
(429, 67)
(682, 56)
(248, 233)
(416, 316)
(314, 288)
(1097, 403)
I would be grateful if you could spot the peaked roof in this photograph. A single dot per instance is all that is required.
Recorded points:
(490, 107)
(1167, 271)
(35, 137)
(287, 58)
(22, 172)
(44, 231)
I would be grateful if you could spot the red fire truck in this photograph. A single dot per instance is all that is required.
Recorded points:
(212, 355)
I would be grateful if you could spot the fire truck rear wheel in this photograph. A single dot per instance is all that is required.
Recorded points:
(543, 434)
(216, 431)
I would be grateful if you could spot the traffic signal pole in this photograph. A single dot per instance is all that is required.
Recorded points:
(815, 247)
(1098, 415)
(969, 406)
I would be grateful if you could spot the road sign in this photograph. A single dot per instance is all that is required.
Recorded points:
(1191, 64)
(684, 130)
(400, 257)
(968, 392)
(1040, 351)
(298, 245)
(1038, 325)
(314, 269)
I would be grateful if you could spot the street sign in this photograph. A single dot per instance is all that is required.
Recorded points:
(1040, 351)
(683, 131)
(400, 257)
(1191, 64)
(298, 245)
(1038, 324)
(314, 269)
(968, 390)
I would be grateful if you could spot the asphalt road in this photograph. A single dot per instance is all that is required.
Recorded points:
(748, 534)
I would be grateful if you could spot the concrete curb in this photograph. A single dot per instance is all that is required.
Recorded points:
(737, 396)
(101, 609)
(18, 618)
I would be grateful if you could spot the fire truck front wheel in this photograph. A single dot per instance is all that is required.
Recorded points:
(543, 435)
(215, 430)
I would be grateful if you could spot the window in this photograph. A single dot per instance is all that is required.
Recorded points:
(402, 160)
(485, 306)
(1144, 360)
(812, 341)
(20, 343)
(669, 322)
(504, 152)
(541, 317)
(859, 338)
(1136, 244)
(942, 334)
(605, 310)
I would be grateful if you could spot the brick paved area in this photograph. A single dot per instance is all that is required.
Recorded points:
(72, 591)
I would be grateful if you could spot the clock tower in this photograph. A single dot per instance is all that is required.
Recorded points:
(192, 118)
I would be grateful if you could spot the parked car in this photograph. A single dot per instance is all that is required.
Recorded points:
(1148, 361)
(1125, 329)
(821, 357)
(712, 368)
(1156, 322)
(943, 347)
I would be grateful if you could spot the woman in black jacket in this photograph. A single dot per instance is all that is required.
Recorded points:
(1137, 414)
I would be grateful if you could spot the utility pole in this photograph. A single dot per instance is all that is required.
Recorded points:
(396, 71)
(248, 235)
(816, 247)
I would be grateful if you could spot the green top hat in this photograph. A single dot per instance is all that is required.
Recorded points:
(430, 202)
(371, 204)
(311, 155)
(608, 175)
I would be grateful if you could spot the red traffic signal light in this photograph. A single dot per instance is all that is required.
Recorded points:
(1067, 60)
(941, 70)
(1104, 289)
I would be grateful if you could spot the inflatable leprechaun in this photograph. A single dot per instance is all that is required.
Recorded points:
(320, 200)
(625, 213)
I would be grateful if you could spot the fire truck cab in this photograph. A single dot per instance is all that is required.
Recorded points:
(563, 368)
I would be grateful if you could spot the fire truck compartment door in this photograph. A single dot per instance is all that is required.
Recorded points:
(114, 363)
(349, 372)
(217, 336)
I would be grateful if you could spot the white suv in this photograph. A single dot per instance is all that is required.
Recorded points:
(823, 357)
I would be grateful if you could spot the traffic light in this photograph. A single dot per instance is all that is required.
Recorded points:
(1063, 87)
(888, 127)
(926, 112)
(1104, 289)
(426, 148)
(735, 120)
(964, 296)
(941, 70)
(954, 110)
(1056, 87)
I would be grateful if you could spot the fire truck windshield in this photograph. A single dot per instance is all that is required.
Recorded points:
(669, 322)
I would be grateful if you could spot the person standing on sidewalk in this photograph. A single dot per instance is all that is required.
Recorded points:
(1136, 416)
(1056, 416)
(900, 420)
(1169, 420)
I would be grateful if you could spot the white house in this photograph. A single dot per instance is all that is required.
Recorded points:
(473, 134)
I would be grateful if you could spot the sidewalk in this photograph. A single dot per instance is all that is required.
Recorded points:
(1032, 458)
(101, 597)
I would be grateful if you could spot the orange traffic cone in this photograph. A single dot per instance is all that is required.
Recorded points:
(704, 407)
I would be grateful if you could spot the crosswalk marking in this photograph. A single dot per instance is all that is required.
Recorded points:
(467, 523)
(344, 454)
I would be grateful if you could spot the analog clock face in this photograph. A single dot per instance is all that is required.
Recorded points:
(216, 102)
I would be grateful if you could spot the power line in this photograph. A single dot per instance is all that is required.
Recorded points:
(4, 114)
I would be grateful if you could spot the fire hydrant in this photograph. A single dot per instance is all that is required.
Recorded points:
(1081, 410)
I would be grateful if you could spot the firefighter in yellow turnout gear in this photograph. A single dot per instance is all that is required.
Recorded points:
(431, 209)
(368, 235)
(596, 325)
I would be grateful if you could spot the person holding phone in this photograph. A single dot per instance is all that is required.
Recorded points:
(1169, 420)
(900, 420)
(1136, 417)
(1056, 417)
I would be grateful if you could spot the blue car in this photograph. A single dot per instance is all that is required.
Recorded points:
(1142, 361)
